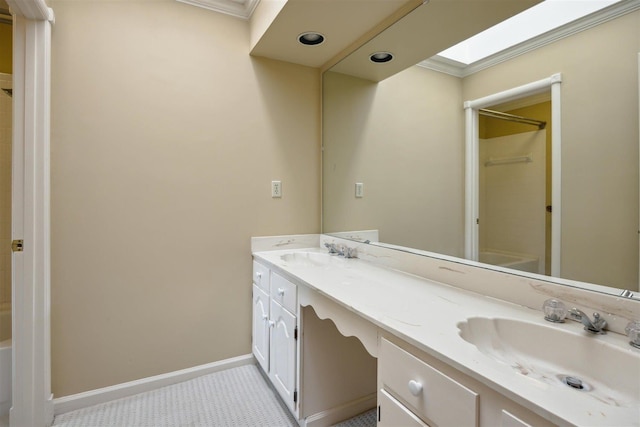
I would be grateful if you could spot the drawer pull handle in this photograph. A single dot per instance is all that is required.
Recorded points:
(281, 291)
(415, 387)
(265, 317)
(259, 275)
(272, 323)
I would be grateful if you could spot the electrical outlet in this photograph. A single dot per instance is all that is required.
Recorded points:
(276, 189)
(359, 189)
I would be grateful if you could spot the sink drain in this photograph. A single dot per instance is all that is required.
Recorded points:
(574, 382)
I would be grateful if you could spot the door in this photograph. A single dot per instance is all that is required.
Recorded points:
(260, 343)
(282, 353)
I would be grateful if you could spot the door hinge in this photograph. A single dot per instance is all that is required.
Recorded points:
(379, 411)
(295, 333)
(295, 396)
(17, 245)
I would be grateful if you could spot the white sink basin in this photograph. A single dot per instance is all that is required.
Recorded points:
(549, 354)
(312, 259)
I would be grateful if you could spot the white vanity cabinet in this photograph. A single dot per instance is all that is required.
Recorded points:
(275, 330)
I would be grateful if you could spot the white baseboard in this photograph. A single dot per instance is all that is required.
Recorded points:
(343, 412)
(106, 394)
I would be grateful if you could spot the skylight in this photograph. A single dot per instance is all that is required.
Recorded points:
(539, 19)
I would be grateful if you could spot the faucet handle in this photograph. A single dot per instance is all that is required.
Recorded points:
(350, 252)
(554, 310)
(633, 332)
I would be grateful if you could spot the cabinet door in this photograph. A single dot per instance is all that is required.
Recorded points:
(394, 414)
(282, 368)
(260, 343)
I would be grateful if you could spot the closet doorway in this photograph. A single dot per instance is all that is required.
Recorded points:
(515, 184)
(496, 158)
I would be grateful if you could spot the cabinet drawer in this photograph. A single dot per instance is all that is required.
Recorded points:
(284, 292)
(510, 420)
(394, 414)
(261, 276)
(427, 392)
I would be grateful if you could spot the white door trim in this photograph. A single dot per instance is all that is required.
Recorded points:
(471, 229)
(32, 400)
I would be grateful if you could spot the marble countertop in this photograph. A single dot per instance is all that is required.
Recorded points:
(426, 314)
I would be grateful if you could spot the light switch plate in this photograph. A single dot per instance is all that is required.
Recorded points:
(276, 189)
(359, 189)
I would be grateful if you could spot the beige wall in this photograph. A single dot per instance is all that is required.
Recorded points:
(403, 139)
(166, 135)
(599, 144)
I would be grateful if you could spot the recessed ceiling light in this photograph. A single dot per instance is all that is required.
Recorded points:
(311, 38)
(380, 57)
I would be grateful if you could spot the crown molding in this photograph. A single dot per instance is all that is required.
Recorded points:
(445, 65)
(36, 10)
(239, 8)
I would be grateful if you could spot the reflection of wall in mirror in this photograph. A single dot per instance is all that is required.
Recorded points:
(599, 143)
(402, 139)
(415, 119)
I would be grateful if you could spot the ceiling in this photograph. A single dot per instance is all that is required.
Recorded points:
(415, 31)
(345, 24)
(410, 29)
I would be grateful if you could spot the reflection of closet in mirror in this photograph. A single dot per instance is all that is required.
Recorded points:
(515, 186)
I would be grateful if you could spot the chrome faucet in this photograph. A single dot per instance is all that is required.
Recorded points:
(341, 250)
(595, 327)
(333, 249)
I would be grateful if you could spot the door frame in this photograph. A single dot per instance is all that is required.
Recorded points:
(472, 144)
(32, 402)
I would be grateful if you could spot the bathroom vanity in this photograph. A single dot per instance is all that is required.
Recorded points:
(410, 336)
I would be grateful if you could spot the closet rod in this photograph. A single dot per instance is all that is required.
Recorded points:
(512, 117)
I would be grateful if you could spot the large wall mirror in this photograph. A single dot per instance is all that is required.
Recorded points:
(402, 138)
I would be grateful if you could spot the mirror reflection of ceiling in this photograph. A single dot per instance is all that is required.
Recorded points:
(533, 22)
(524, 32)
(426, 31)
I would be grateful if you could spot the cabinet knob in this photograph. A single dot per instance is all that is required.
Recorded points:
(259, 275)
(265, 317)
(272, 323)
(415, 387)
(281, 291)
